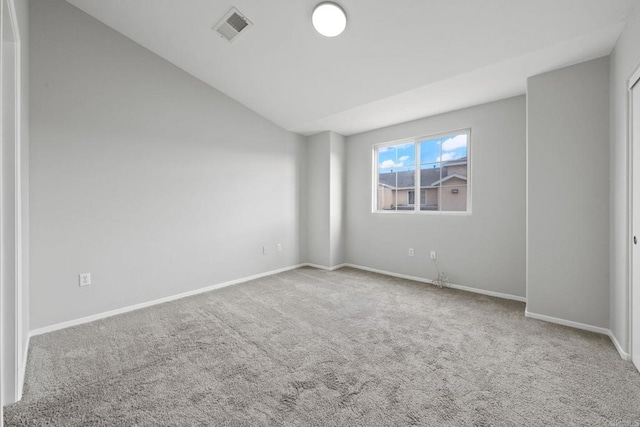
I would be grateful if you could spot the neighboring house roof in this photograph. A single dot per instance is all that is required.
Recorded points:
(448, 177)
(457, 162)
(428, 177)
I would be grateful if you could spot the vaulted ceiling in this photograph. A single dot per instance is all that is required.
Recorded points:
(397, 60)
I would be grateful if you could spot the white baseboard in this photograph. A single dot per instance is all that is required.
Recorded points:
(621, 352)
(489, 293)
(23, 368)
(39, 331)
(104, 315)
(453, 286)
(565, 322)
(322, 267)
(570, 323)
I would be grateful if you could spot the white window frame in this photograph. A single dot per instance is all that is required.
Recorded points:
(418, 194)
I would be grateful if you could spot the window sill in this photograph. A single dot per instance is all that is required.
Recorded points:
(409, 212)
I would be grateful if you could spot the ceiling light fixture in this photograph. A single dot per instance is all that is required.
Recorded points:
(329, 19)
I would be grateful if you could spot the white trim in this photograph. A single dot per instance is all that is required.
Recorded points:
(17, 136)
(565, 322)
(526, 193)
(429, 281)
(417, 178)
(322, 267)
(10, 12)
(23, 367)
(623, 354)
(389, 273)
(104, 315)
(577, 325)
(633, 80)
(421, 212)
(1, 221)
(629, 231)
(489, 293)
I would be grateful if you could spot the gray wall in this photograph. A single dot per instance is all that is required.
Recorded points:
(337, 199)
(484, 250)
(149, 179)
(325, 199)
(318, 199)
(568, 203)
(624, 61)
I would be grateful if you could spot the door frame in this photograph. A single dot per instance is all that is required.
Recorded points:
(632, 82)
(7, 8)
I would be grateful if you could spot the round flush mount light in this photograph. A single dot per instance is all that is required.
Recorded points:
(329, 19)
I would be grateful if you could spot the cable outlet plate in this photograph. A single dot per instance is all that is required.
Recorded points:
(84, 279)
(434, 255)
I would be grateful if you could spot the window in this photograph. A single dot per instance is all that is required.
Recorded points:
(412, 196)
(438, 165)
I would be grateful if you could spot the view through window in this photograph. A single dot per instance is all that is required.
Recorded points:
(423, 174)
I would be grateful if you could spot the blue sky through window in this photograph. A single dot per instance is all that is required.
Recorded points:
(397, 158)
(401, 157)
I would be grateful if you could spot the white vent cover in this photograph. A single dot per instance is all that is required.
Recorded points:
(232, 25)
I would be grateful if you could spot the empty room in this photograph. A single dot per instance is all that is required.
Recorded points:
(318, 213)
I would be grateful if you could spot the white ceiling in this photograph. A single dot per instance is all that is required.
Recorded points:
(397, 60)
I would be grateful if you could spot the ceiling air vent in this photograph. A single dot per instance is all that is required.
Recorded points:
(232, 25)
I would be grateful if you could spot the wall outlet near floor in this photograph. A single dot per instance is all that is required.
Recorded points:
(84, 279)
(279, 247)
(434, 255)
(265, 250)
(411, 252)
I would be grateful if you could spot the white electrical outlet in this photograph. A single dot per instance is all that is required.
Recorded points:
(85, 279)
(410, 251)
(265, 250)
(434, 255)
(279, 246)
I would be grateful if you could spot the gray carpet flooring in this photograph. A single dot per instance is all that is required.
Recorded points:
(316, 348)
